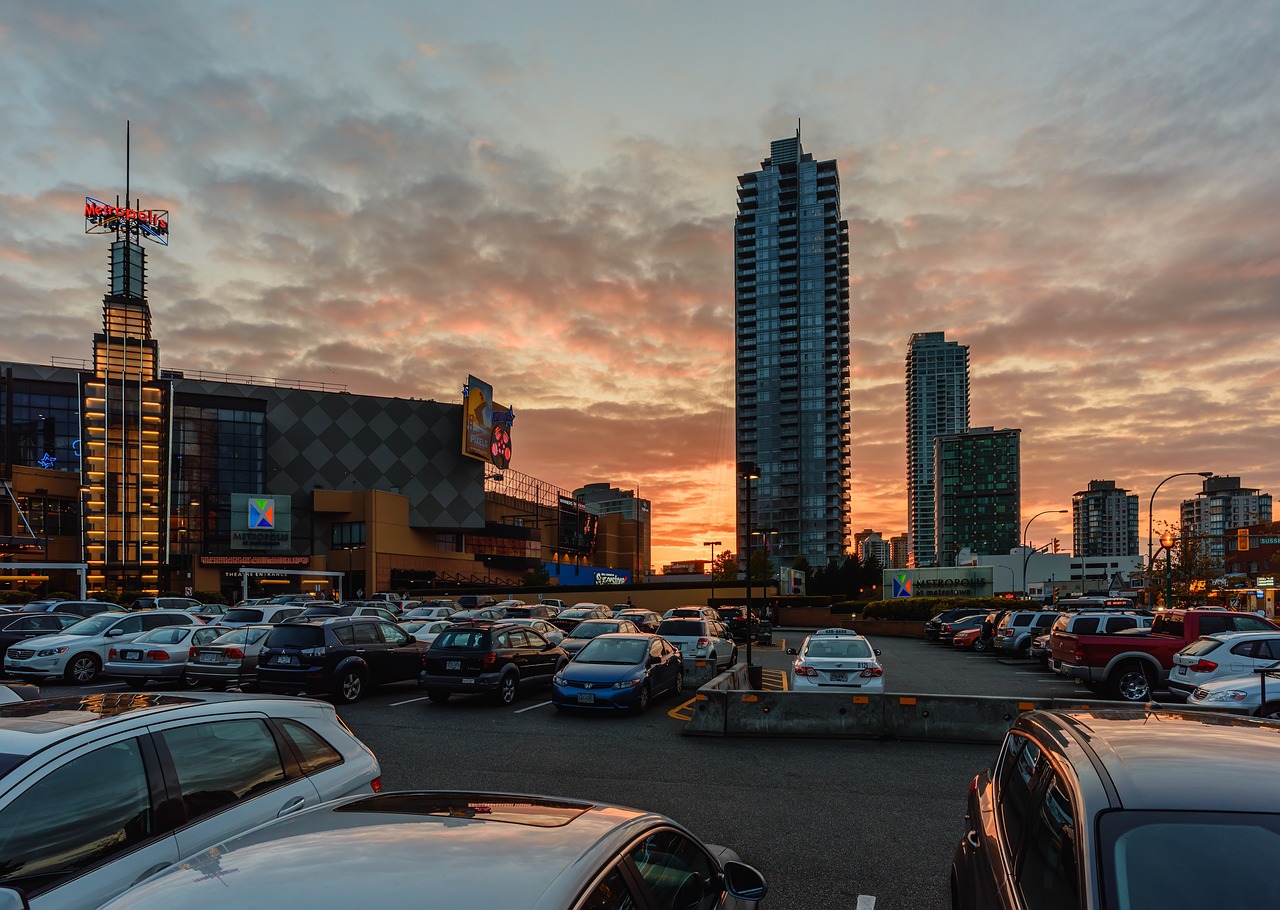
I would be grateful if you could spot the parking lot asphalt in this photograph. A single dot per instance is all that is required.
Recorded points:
(827, 821)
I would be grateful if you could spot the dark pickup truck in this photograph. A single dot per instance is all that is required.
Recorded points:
(1129, 665)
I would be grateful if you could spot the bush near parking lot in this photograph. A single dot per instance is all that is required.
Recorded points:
(924, 608)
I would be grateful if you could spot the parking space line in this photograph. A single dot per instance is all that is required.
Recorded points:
(866, 902)
(684, 711)
(104, 685)
(408, 701)
(541, 704)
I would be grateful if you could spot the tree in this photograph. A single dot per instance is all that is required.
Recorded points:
(536, 578)
(725, 567)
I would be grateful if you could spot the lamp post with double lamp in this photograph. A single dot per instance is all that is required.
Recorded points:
(749, 471)
(712, 544)
(1026, 556)
(1151, 504)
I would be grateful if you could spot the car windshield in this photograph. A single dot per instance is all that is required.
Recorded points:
(460, 640)
(243, 615)
(295, 637)
(169, 635)
(622, 651)
(91, 626)
(593, 628)
(838, 647)
(1138, 873)
(236, 637)
(680, 627)
(574, 614)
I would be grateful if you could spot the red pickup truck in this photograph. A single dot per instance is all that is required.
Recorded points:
(1129, 665)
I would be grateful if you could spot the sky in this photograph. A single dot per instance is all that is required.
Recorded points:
(394, 195)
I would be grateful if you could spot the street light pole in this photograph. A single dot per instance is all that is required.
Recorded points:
(1166, 544)
(1151, 503)
(1027, 556)
(712, 544)
(750, 471)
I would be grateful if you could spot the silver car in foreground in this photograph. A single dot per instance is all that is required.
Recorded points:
(98, 792)
(457, 850)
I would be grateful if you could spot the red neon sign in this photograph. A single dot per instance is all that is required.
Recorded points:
(102, 218)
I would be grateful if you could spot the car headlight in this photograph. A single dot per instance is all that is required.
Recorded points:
(1228, 695)
(628, 683)
(557, 680)
(49, 652)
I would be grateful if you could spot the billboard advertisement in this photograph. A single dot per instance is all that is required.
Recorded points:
(576, 528)
(486, 425)
(960, 581)
(260, 522)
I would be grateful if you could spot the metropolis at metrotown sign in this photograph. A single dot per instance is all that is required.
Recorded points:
(967, 581)
(261, 522)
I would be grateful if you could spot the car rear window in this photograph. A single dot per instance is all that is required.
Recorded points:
(680, 627)
(243, 615)
(461, 640)
(295, 637)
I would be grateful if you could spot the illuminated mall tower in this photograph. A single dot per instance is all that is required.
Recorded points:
(791, 306)
(124, 411)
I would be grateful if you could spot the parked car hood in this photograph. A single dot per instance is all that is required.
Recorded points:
(57, 641)
(609, 673)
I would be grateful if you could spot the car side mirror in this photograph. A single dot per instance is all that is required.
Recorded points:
(793, 651)
(14, 899)
(744, 882)
(112, 633)
(877, 651)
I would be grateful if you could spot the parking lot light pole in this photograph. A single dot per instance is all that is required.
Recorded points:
(749, 471)
(1026, 557)
(712, 544)
(1151, 503)
(1166, 544)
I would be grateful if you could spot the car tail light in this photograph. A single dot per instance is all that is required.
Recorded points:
(1079, 655)
(236, 653)
(111, 655)
(1203, 666)
(424, 658)
(946, 627)
(157, 655)
(191, 654)
(489, 661)
(872, 672)
(973, 785)
(376, 784)
(704, 642)
(1007, 633)
(806, 671)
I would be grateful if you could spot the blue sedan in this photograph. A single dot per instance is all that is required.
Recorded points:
(619, 671)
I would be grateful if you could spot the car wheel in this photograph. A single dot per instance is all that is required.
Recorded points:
(189, 682)
(642, 701)
(678, 688)
(438, 696)
(1131, 683)
(83, 668)
(350, 687)
(733, 659)
(979, 645)
(1270, 711)
(507, 687)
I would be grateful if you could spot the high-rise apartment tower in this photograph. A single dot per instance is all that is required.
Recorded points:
(937, 405)
(1104, 520)
(791, 306)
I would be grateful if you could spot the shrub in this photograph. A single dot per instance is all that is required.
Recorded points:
(924, 608)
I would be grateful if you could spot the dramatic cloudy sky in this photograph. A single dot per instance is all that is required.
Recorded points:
(392, 195)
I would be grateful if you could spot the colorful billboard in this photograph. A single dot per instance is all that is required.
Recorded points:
(261, 522)
(104, 218)
(486, 425)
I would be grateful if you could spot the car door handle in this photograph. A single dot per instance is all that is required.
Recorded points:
(972, 838)
(292, 806)
(150, 872)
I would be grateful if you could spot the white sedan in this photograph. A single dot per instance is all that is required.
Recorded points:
(836, 659)
(424, 630)
(1242, 694)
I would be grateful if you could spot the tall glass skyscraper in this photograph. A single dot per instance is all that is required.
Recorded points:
(937, 405)
(791, 295)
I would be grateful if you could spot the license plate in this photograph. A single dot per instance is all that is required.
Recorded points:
(131, 655)
(472, 681)
(284, 660)
(839, 677)
(586, 699)
(453, 665)
(210, 657)
(1182, 671)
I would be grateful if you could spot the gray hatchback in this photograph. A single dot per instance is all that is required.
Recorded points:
(458, 850)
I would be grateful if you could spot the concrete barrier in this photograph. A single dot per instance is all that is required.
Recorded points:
(698, 673)
(954, 718)
(771, 713)
(709, 703)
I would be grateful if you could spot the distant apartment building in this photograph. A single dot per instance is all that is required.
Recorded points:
(1104, 520)
(977, 492)
(873, 547)
(898, 552)
(937, 405)
(791, 327)
(1222, 506)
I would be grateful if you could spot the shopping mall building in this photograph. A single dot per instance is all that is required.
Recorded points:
(159, 479)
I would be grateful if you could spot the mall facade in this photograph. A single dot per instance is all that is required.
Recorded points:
(166, 480)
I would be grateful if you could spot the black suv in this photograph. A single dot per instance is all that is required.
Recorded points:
(492, 657)
(340, 656)
(736, 619)
(933, 627)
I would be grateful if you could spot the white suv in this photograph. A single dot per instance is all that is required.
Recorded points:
(1222, 654)
(98, 793)
(79, 651)
(701, 639)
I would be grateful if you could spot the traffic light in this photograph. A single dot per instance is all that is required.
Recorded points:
(1242, 539)
(1055, 545)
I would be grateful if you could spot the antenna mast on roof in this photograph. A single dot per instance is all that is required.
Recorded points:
(797, 127)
